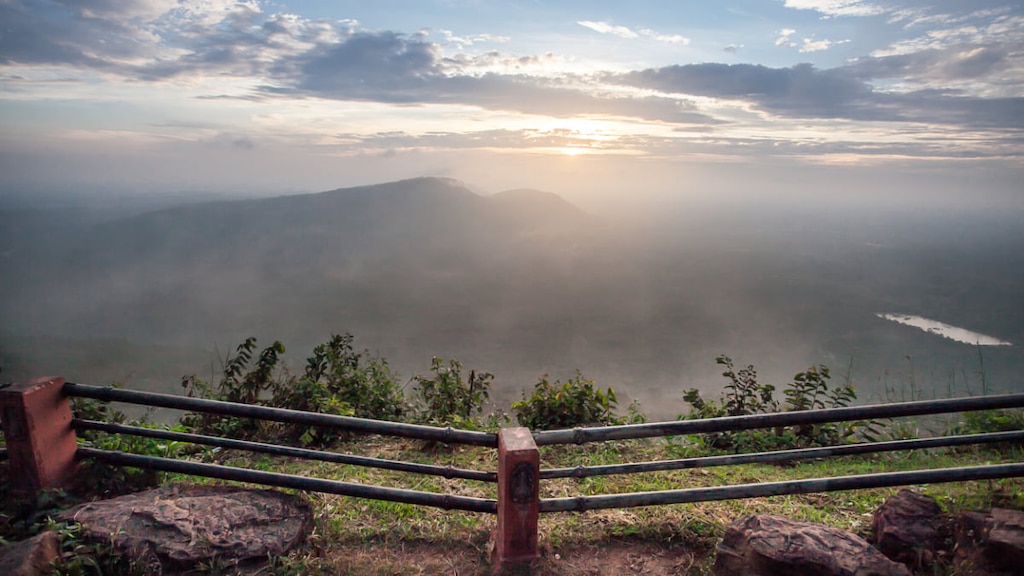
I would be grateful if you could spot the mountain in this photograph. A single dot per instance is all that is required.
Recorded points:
(163, 274)
(399, 264)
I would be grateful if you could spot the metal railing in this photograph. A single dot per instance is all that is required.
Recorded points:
(734, 492)
(778, 456)
(359, 425)
(518, 447)
(278, 450)
(362, 425)
(547, 438)
(802, 417)
(774, 420)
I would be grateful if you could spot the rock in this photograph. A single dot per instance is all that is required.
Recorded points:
(767, 545)
(1005, 547)
(991, 543)
(32, 557)
(911, 528)
(177, 527)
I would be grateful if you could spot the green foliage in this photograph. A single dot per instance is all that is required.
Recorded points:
(82, 557)
(96, 478)
(447, 398)
(238, 383)
(338, 380)
(577, 402)
(245, 387)
(744, 395)
(985, 421)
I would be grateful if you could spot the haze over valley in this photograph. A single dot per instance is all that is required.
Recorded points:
(519, 283)
(627, 189)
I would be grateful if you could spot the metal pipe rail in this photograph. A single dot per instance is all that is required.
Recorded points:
(730, 423)
(782, 455)
(260, 447)
(881, 480)
(447, 435)
(445, 501)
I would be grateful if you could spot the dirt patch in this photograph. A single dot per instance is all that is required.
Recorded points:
(623, 557)
(619, 557)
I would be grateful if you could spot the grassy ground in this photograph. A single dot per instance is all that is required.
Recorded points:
(380, 538)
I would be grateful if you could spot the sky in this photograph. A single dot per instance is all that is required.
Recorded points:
(597, 97)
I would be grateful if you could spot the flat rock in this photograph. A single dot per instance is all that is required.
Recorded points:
(911, 528)
(180, 526)
(35, 556)
(768, 545)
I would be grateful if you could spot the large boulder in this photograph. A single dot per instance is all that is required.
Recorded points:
(177, 527)
(912, 529)
(768, 545)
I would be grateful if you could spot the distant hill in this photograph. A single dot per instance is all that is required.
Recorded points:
(341, 260)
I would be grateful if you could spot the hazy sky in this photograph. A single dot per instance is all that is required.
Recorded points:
(162, 95)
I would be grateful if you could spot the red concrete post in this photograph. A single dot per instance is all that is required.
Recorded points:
(515, 541)
(41, 444)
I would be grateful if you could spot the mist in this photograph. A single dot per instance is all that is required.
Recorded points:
(639, 290)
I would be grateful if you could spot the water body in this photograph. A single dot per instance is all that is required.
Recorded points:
(945, 330)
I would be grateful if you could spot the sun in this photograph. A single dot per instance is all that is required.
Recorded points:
(573, 151)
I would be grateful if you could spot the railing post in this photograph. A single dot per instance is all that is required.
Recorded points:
(41, 444)
(515, 541)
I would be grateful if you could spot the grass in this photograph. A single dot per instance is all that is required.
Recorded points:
(354, 536)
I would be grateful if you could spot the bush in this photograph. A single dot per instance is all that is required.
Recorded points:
(985, 421)
(339, 380)
(239, 384)
(744, 395)
(577, 402)
(448, 399)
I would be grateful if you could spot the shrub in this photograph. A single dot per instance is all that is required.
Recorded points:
(577, 402)
(449, 399)
(744, 395)
(338, 380)
(240, 384)
(985, 421)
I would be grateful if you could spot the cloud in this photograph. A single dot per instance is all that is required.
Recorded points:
(944, 65)
(784, 38)
(811, 45)
(390, 67)
(830, 8)
(461, 41)
(382, 66)
(803, 91)
(115, 35)
(732, 48)
(628, 33)
(606, 28)
(970, 73)
(668, 38)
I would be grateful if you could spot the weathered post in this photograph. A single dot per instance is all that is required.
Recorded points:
(41, 443)
(515, 542)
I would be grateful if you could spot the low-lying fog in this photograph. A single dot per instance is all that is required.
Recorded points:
(520, 284)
